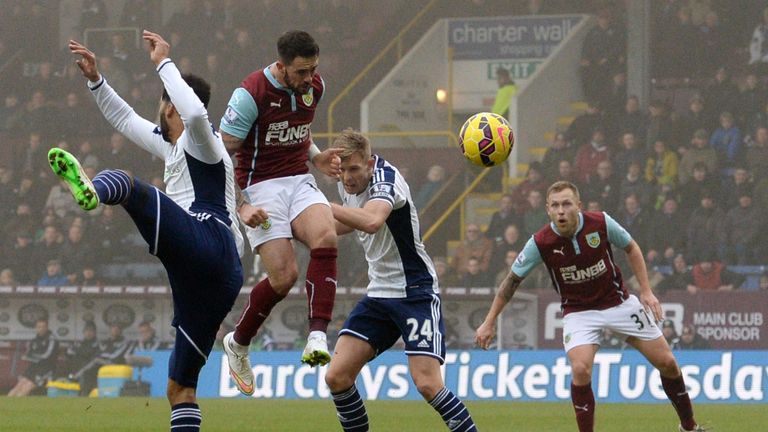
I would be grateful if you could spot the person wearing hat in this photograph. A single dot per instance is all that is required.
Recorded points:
(690, 340)
(698, 152)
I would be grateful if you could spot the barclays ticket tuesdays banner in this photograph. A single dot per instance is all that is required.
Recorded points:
(619, 376)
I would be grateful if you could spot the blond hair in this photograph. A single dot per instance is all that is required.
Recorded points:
(559, 186)
(351, 142)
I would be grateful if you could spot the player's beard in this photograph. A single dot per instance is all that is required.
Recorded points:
(292, 86)
(164, 128)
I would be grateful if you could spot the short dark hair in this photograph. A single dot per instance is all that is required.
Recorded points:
(200, 86)
(296, 43)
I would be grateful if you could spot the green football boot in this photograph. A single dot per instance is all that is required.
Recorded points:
(66, 166)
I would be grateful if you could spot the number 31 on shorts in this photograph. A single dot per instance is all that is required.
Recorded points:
(638, 319)
(426, 329)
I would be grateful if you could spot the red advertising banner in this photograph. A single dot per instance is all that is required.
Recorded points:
(727, 320)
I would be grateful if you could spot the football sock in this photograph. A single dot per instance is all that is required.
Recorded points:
(678, 395)
(351, 410)
(260, 303)
(321, 287)
(584, 405)
(452, 410)
(112, 186)
(186, 417)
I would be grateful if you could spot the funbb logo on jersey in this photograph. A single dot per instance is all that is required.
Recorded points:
(281, 134)
(571, 274)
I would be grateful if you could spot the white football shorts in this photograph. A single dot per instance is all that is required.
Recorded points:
(283, 198)
(627, 319)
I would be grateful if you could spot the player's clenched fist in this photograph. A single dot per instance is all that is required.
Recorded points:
(484, 335)
(252, 216)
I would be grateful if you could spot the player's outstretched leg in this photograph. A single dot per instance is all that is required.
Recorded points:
(67, 167)
(111, 187)
(425, 371)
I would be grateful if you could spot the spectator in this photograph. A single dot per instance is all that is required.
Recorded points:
(429, 189)
(602, 53)
(10, 113)
(634, 218)
(138, 14)
(445, 275)
(561, 149)
(634, 184)
(512, 240)
(38, 110)
(709, 274)
(722, 94)
(93, 14)
(744, 229)
(505, 93)
(19, 257)
(118, 155)
(699, 152)
(565, 171)
(757, 154)
(116, 347)
(654, 279)
(536, 215)
(660, 126)
(77, 252)
(148, 340)
(661, 167)
(83, 359)
(475, 245)
(670, 334)
(54, 276)
(504, 216)
(88, 276)
(632, 119)
(758, 46)
(60, 201)
(29, 162)
(665, 239)
(700, 184)
(21, 220)
(580, 130)
(682, 49)
(615, 95)
(712, 44)
(603, 187)
(751, 99)
(534, 180)
(474, 276)
(629, 152)
(503, 272)
(590, 155)
(50, 245)
(680, 279)
(690, 340)
(693, 120)
(734, 187)
(6, 277)
(727, 142)
(705, 228)
(41, 355)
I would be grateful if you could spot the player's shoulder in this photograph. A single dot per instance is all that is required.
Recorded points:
(594, 219)
(255, 82)
(384, 171)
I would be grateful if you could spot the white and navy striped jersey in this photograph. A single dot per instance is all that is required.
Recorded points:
(397, 259)
(199, 176)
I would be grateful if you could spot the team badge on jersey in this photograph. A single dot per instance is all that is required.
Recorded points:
(266, 225)
(593, 239)
(308, 98)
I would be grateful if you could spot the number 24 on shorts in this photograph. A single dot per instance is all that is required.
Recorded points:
(426, 329)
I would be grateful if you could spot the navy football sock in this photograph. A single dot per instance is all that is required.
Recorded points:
(186, 417)
(453, 411)
(351, 410)
(112, 186)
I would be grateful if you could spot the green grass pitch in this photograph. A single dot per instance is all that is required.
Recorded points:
(147, 414)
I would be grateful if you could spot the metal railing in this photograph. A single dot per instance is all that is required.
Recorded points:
(395, 43)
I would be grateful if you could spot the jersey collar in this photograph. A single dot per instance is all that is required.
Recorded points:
(272, 80)
(578, 228)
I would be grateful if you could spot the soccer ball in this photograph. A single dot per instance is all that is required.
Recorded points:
(486, 139)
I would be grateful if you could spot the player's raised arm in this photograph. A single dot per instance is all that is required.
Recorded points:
(118, 113)
(204, 145)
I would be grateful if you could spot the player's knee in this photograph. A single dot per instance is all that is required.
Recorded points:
(282, 281)
(177, 393)
(338, 381)
(581, 371)
(667, 366)
(427, 388)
